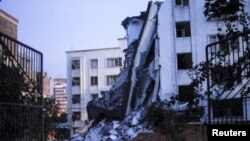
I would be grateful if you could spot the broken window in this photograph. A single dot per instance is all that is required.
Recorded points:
(76, 99)
(93, 63)
(114, 62)
(111, 79)
(181, 2)
(94, 96)
(76, 116)
(76, 81)
(227, 108)
(183, 29)
(184, 61)
(93, 80)
(185, 93)
(75, 64)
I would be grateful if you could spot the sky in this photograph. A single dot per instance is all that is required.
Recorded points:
(56, 26)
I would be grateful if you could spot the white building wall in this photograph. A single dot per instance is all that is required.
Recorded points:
(167, 58)
(134, 30)
(85, 89)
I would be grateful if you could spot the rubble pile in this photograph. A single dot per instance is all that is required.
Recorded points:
(119, 130)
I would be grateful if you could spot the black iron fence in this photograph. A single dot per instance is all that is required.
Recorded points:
(228, 80)
(21, 105)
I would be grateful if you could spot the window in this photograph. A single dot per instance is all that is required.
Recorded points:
(227, 108)
(183, 29)
(76, 116)
(111, 79)
(114, 62)
(75, 64)
(184, 61)
(76, 99)
(94, 64)
(94, 80)
(181, 2)
(94, 96)
(76, 81)
(185, 93)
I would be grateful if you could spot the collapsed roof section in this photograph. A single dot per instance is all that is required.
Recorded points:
(137, 85)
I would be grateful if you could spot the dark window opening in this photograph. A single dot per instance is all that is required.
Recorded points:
(182, 2)
(227, 108)
(151, 55)
(184, 61)
(76, 116)
(75, 64)
(94, 80)
(186, 93)
(183, 29)
(111, 79)
(76, 99)
(76, 81)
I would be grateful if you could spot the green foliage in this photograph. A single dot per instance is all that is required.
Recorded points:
(52, 119)
(236, 23)
(14, 87)
(166, 121)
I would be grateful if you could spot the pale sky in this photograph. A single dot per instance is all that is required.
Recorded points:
(56, 26)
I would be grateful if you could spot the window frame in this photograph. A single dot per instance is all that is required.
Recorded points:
(74, 82)
(184, 27)
(184, 64)
(93, 80)
(109, 81)
(75, 99)
(114, 62)
(94, 66)
(75, 66)
(182, 3)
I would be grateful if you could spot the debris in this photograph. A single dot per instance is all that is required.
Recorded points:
(113, 137)
(130, 132)
(134, 121)
(113, 132)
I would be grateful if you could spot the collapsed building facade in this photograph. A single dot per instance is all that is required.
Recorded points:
(138, 83)
(164, 43)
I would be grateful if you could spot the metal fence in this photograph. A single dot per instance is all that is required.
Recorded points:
(228, 81)
(21, 104)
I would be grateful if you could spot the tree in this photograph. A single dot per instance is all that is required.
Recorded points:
(232, 21)
(230, 13)
(52, 119)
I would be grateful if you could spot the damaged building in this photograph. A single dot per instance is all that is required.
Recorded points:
(164, 43)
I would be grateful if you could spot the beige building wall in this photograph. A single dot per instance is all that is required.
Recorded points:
(8, 24)
(46, 85)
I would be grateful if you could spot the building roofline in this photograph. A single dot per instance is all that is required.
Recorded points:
(95, 49)
(8, 15)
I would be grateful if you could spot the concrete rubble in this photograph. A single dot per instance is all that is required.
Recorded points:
(118, 130)
(123, 109)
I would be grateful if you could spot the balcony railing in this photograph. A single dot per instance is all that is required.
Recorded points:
(21, 105)
(228, 80)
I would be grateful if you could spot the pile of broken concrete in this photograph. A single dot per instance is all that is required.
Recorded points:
(119, 130)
